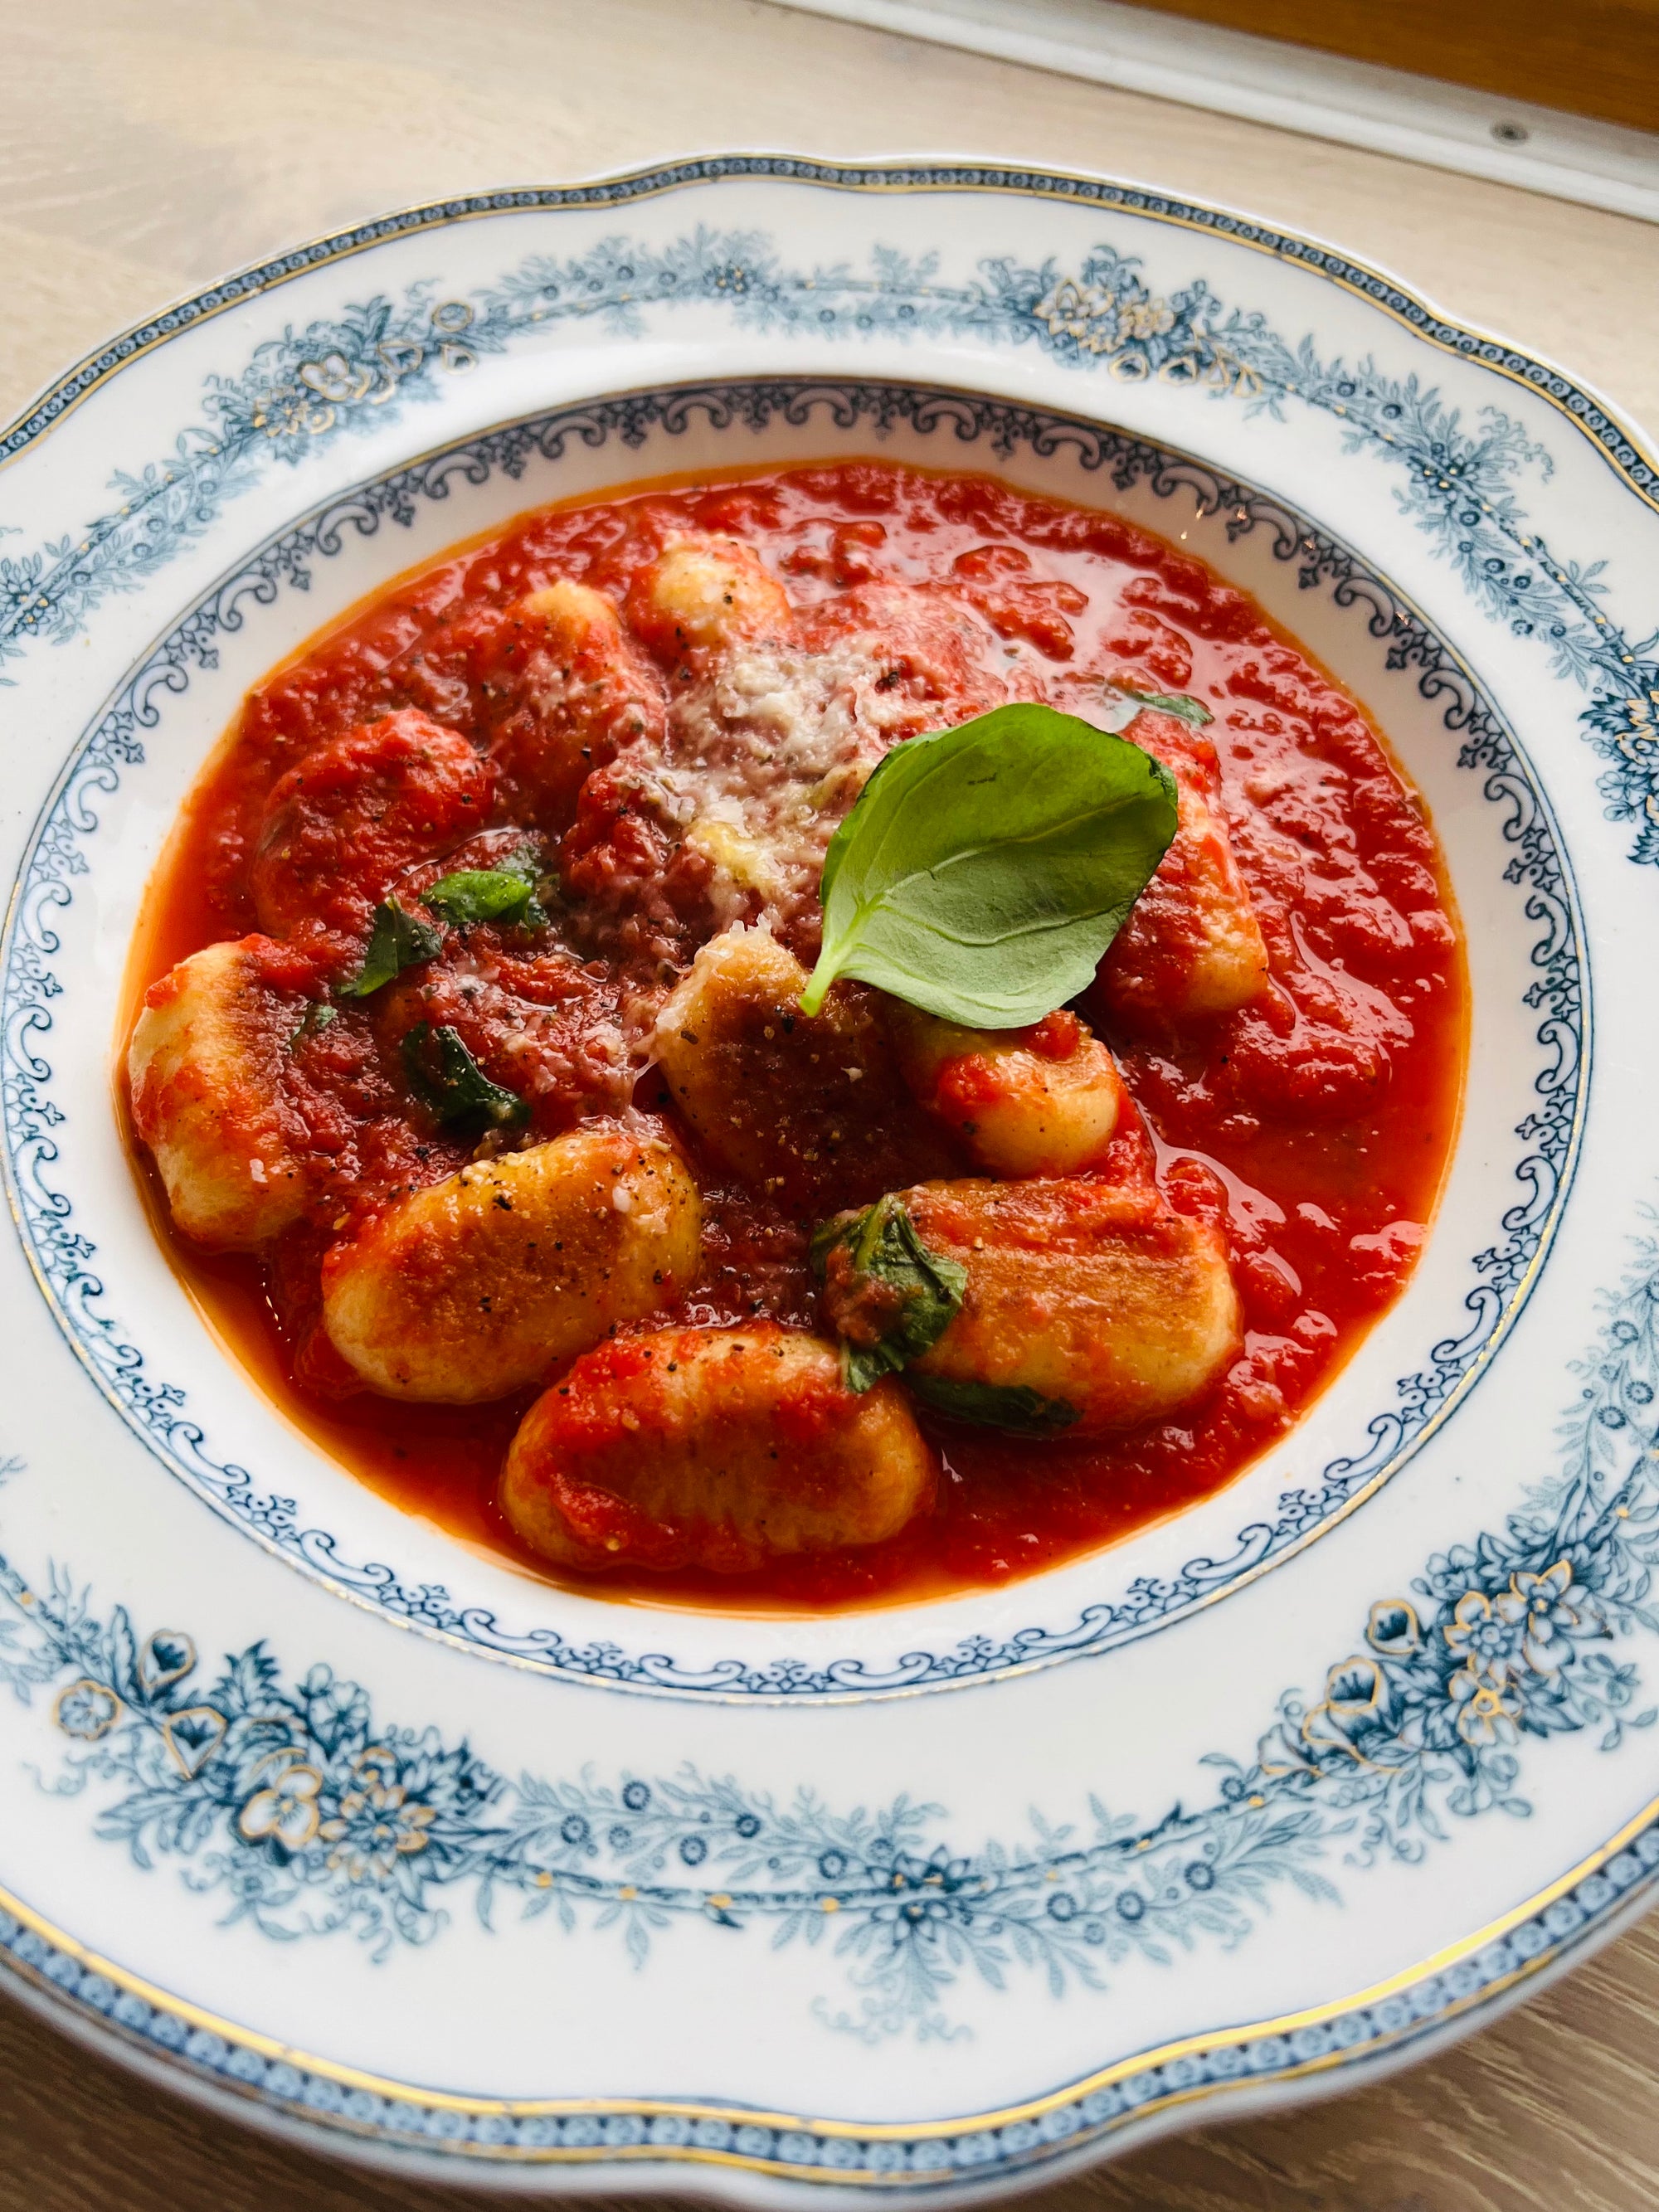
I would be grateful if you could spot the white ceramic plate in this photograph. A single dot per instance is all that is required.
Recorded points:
(448, 1867)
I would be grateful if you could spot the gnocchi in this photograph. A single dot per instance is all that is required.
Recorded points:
(1089, 1296)
(704, 592)
(579, 692)
(715, 1448)
(1192, 947)
(204, 1072)
(1035, 1102)
(475, 1286)
(340, 827)
(798, 1107)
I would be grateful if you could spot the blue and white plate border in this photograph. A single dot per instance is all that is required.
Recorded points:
(709, 2148)
(1593, 415)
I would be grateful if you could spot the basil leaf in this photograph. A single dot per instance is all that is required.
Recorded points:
(1182, 704)
(397, 940)
(887, 1280)
(315, 1020)
(1011, 1405)
(507, 893)
(456, 1088)
(982, 872)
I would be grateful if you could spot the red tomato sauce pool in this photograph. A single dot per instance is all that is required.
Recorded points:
(1316, 1123)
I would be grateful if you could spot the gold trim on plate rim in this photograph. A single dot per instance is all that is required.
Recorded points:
(866, 176)
(272, 2049)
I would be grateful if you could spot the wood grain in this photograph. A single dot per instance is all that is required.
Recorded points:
(144, 148)
(1592, 57)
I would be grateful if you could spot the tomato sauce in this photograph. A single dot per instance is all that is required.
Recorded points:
(1316, 1123)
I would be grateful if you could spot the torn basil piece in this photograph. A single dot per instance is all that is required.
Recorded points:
(504, 893)
(397, 940)
(315, 1020)
(443, 1074)
(1182, 704)
(890, 1297)
(1011, 1405)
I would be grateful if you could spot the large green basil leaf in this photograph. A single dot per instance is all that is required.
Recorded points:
(983, 872)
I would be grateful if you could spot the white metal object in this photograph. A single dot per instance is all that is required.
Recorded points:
(1449, 126)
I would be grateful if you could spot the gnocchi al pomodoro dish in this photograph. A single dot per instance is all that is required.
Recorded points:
(472, 1067)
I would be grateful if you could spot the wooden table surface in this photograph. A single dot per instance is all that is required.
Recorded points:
(1526, 49)
(146, 146)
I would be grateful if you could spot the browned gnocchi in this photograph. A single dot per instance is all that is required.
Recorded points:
(799, 1107)
(1085, 1306)
(713, 1447)
(475, 1286)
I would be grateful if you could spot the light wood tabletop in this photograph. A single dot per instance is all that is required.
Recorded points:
(149, 145)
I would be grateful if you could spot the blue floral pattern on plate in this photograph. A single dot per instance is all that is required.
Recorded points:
(311, 1815)
(1457, 482)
